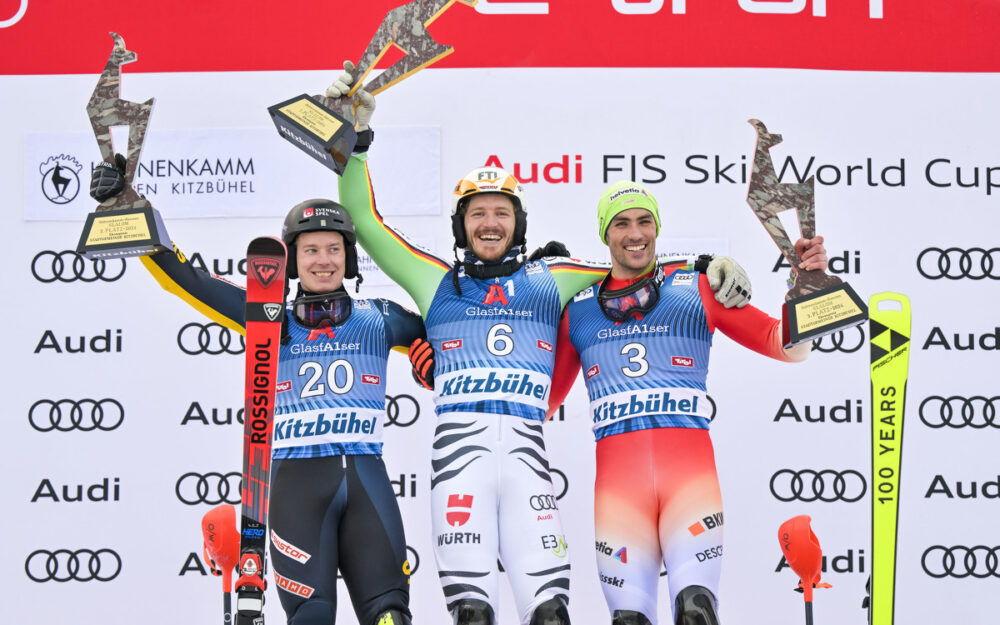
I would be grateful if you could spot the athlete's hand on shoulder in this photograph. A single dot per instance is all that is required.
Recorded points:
(364, 101)
(812, 253)
(552, 248)
(729, 281)
(422, 361)
(108, 179)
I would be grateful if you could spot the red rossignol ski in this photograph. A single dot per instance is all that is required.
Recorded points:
(265, 310)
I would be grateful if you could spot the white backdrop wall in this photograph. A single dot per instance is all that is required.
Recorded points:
(904, 164)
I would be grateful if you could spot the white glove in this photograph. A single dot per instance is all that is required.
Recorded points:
(729, 281)
(364, 102)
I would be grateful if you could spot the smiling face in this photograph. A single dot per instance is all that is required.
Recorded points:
(632, 241)
(321, 260)
(489, 225)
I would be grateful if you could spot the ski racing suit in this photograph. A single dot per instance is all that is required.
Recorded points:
(493, 346)
(331, 503)
(656, 491)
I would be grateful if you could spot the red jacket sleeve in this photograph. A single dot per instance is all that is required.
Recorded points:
(750, 327)
(566, 367)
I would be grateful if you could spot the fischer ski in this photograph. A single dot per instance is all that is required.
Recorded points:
(889, 323)
(264, 313)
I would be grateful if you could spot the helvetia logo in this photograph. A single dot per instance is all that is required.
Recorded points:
(60, 178)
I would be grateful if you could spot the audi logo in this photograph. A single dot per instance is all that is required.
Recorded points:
(960, 561)
(825, 485)
(84, 415)
(838, 342)
(211, 338)
(977, 411)
(212, 488)
(556, 473)
(82, 565)
(68, 266)
(954, 263)
(401, 410)
(543, 502)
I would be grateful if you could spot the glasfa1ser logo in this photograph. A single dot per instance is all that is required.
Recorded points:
(67, 266)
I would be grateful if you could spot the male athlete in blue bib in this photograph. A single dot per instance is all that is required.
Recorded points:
(643, 336)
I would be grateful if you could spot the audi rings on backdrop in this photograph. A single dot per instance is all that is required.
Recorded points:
(84, 415)
(825, 485)
(954, 263)
(212, 488)
(401, 410)
(852, 341)
(209, 338)
(68, 266)
(960, 562)
(976, 412)
(63, 565)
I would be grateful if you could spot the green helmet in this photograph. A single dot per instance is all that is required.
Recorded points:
(623, 196)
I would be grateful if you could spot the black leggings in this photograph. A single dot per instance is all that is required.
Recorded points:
(337, 511)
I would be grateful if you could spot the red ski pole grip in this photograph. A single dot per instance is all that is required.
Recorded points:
(801, 549)
(222, 541)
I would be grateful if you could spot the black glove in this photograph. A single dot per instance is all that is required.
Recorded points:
(108, 179)
(422, 360)
(552, 248)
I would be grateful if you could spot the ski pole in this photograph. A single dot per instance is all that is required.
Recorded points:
(222, 550)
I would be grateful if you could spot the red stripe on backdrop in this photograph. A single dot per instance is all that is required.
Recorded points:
(70, 37)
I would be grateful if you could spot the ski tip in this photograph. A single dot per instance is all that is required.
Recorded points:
(267, 245)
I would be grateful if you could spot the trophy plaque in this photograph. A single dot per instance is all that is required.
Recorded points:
(323, 127)
(817, 304)
(125, 224)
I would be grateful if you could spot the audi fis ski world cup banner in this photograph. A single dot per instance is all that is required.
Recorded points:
(127, 401)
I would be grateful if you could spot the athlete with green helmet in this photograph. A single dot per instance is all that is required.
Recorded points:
(643, 335)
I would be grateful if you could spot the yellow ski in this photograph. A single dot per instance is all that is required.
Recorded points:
(889, 324)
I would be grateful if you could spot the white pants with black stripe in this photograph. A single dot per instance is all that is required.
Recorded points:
(492, 497)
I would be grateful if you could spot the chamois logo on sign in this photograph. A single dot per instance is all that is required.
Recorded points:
(264, 270)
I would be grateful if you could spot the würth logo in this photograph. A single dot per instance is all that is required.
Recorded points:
(264, 270)
(459, 510)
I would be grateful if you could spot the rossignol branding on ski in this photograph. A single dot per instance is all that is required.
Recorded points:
(265, 307)
(889, 321)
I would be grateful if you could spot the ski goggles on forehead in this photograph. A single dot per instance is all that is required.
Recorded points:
(637, 298)
(312, 311)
